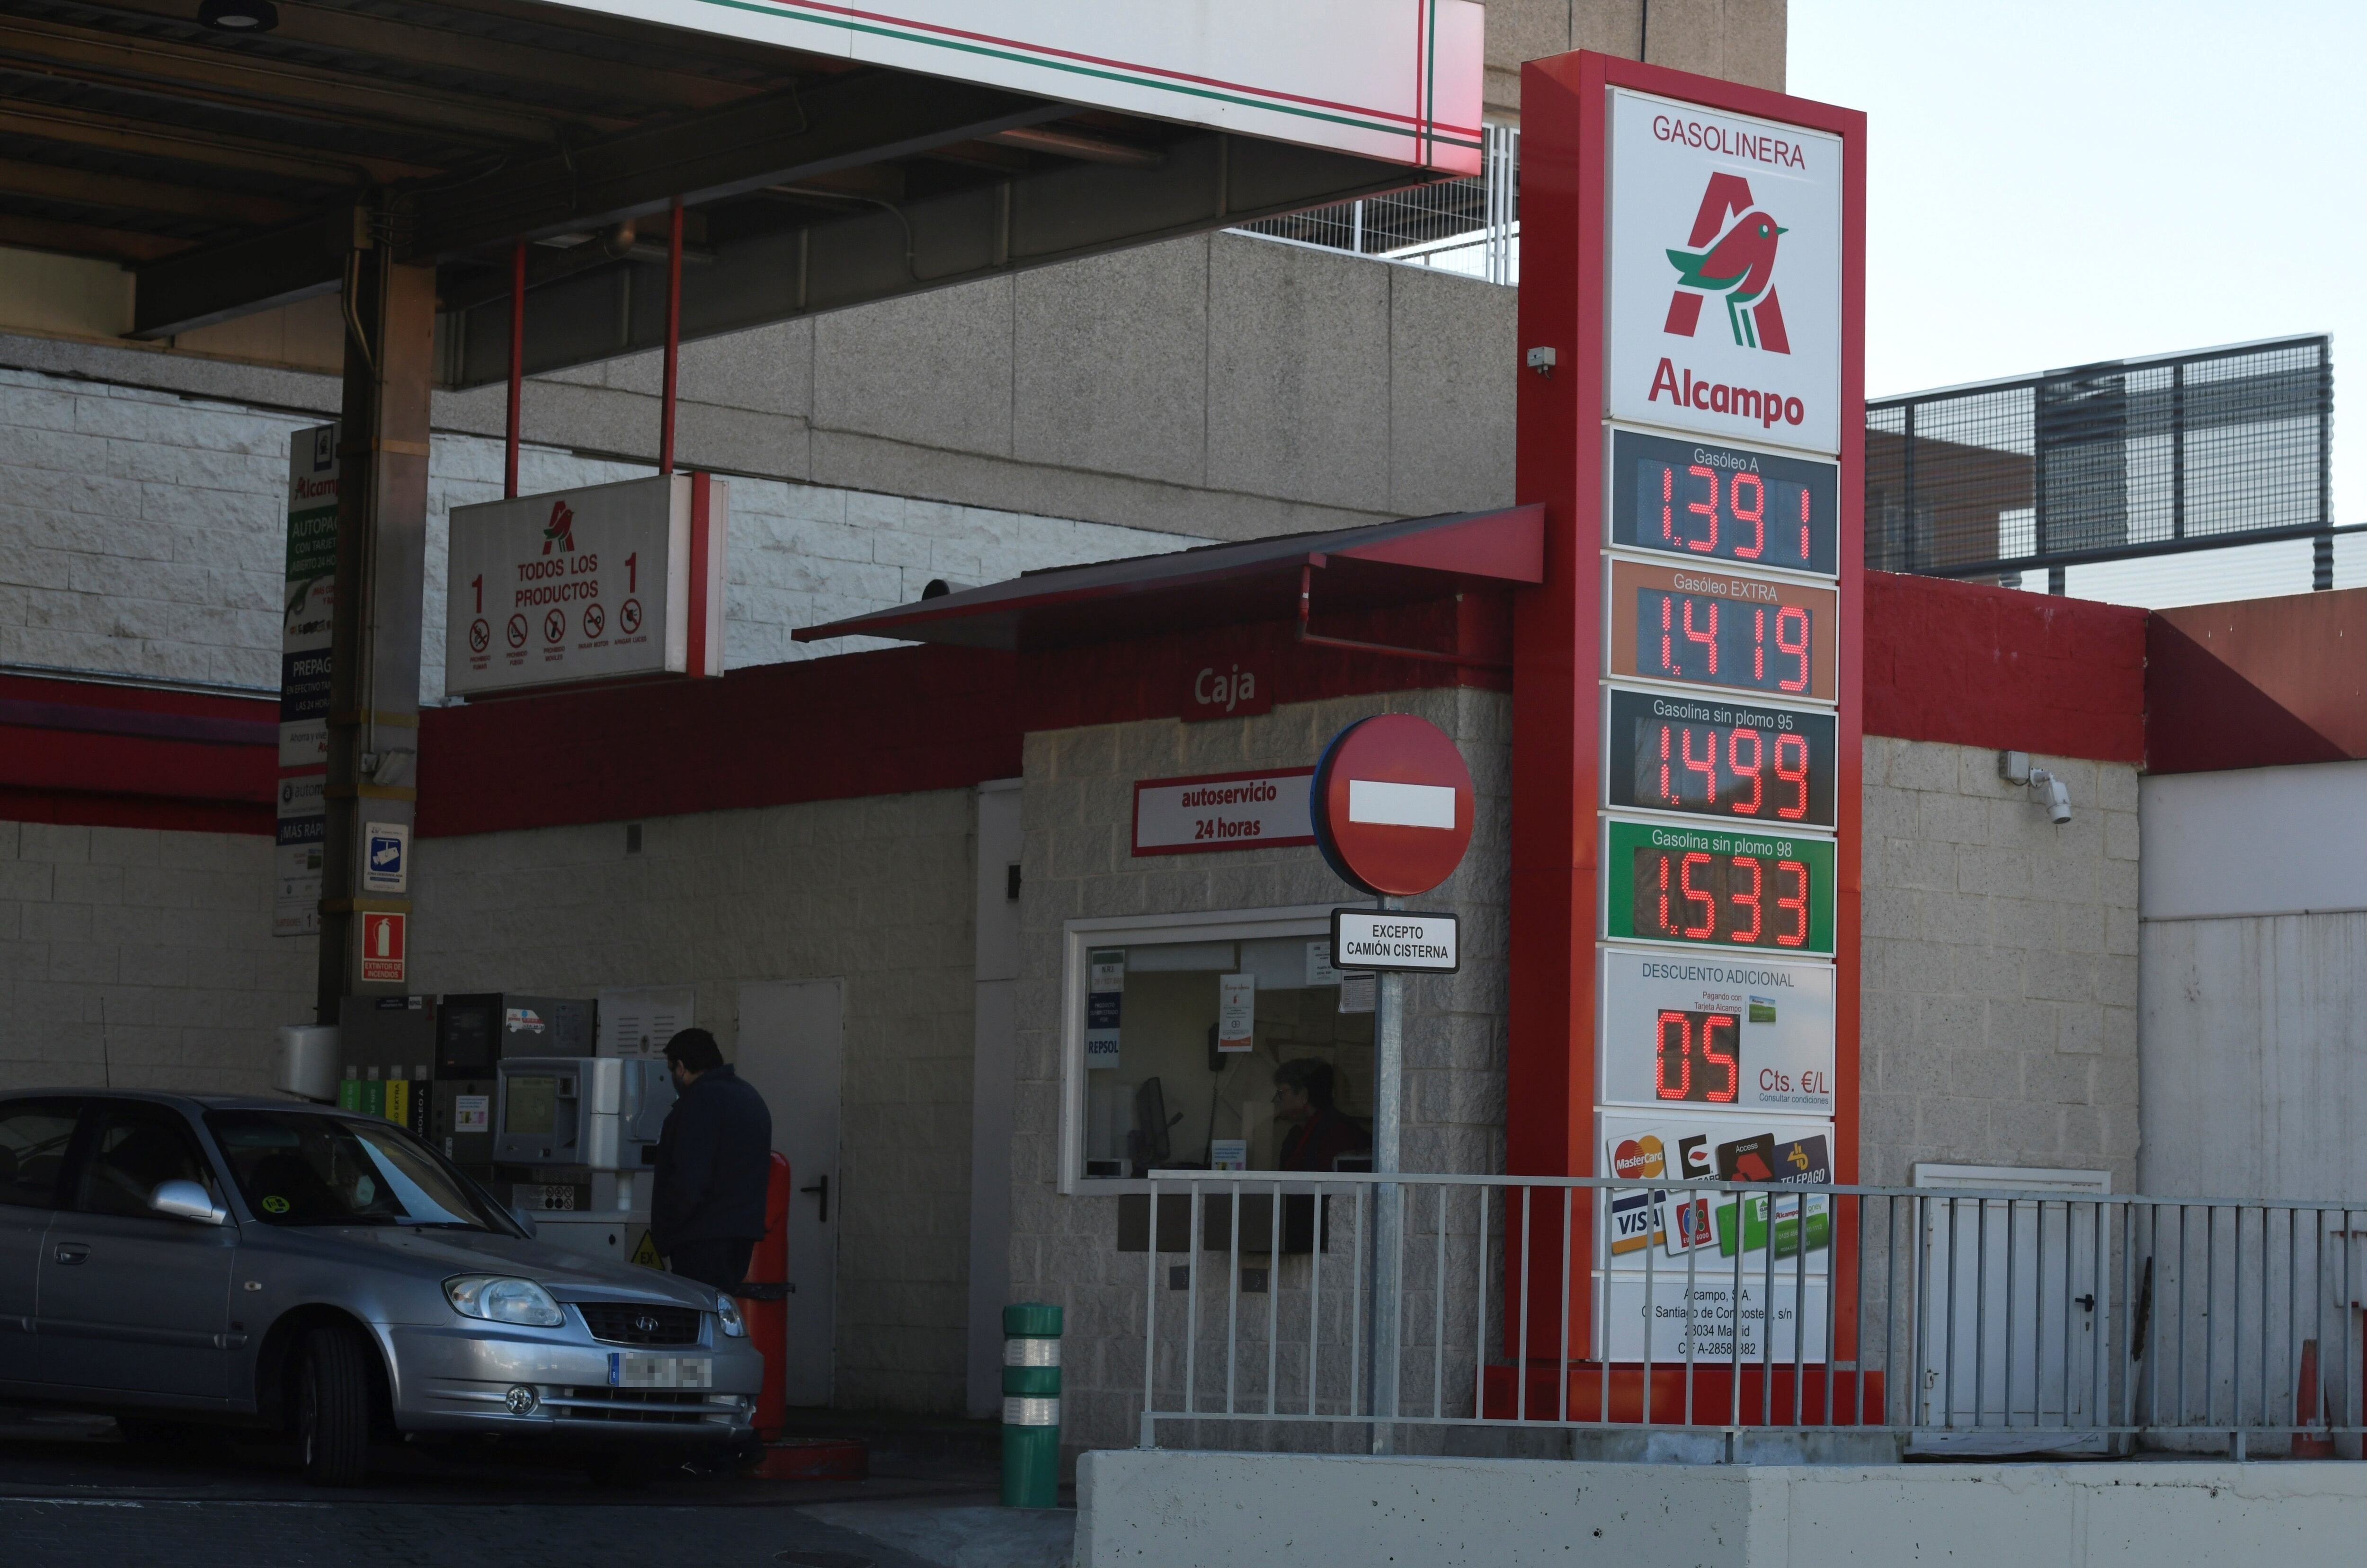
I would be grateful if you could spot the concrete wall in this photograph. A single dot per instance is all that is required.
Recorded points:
(1221, 385)
(1077, 813)
(1741, 41)
(144, 529)
(874, 892)
(142, 959)
(1219, 1510)
(2254, 977)
(2000, 978)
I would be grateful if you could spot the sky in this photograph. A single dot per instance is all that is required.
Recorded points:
(2055, 183)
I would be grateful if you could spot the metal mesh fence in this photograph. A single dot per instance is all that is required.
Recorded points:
(2104, 462)
(1470, 226)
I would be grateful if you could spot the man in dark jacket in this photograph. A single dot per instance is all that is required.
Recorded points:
(714, 1158)
(1321, 1134)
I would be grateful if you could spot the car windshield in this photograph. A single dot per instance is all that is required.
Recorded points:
(299, 1169)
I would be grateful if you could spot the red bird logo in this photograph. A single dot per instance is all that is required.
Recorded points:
(560, 530)
(1736, 262)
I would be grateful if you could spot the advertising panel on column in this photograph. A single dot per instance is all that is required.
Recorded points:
(1693, 253)
(308, 606)
(614, 582)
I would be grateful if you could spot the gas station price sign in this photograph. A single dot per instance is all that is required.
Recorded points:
(1725, 503)
(1713, 887)
(1709, 628)
(1750, 1032)
(1747, 763)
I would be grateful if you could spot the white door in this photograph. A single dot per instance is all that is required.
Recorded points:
(792, 1040)
(2011, 1328)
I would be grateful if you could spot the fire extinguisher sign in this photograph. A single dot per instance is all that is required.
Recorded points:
(382, 947)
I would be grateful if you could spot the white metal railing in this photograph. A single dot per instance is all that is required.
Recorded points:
(1965, 1321)
(1470, 226)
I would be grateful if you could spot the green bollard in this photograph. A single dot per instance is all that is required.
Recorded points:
(1031, 1406)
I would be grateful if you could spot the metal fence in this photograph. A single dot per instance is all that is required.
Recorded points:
(1368, 1310)
(2105, 462)
(1470, 226)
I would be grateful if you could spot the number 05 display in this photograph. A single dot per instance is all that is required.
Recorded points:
(1705, 1030)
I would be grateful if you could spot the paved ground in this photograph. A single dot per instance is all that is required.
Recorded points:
(73, 1496)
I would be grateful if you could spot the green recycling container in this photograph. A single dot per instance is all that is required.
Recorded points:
(1031, 1406)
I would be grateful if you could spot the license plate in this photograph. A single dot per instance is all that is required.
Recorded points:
(627, 1370)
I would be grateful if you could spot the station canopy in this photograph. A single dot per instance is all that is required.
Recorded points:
(232, 155)
(1375, 566)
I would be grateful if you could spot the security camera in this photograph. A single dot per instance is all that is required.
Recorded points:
(2056, 795)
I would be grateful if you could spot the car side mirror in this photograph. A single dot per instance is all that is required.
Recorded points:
(525, 1220)
(185, 1201)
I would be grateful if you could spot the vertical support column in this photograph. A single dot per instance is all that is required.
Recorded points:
(518, 370)
(1388, 1197)
(381, 574)
(672, 342)
(1556, 628)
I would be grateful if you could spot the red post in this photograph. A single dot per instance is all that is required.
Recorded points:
(766, 1313)
(517, 368)
(674, 341)
(1551, 1127)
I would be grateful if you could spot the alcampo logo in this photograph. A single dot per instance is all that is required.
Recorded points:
(560, 530)
(1734, 261)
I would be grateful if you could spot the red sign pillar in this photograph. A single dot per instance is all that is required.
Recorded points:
(1558, 633)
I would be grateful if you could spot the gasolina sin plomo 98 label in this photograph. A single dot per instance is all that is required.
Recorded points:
(1714, 887)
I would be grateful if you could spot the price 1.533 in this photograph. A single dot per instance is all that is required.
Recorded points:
(1719, 889)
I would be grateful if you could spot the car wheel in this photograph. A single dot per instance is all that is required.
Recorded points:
(332, 1406)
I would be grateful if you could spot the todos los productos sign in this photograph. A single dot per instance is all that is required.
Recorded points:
(610, 581)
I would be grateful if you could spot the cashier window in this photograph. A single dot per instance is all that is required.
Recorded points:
(1176, 1027)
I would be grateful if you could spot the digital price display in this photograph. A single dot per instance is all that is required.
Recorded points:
(1709, 758)
(1743, 1030)
(1717, 888)
(1696, 1057)
(1713, 629)
(1727, 503)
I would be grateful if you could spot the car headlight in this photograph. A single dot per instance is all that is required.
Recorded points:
(726, 1312)
(498, 1298)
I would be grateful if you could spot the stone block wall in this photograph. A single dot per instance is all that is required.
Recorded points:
(144, 531)
(142, 959)
(2000, 965)
(874, 892)
(1077, 863)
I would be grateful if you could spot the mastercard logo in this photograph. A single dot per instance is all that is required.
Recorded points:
(1639, 1158)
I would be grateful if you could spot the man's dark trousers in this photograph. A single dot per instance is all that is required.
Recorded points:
(722, 1264)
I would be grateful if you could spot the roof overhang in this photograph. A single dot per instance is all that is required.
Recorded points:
(827, 156)
(1408, 561)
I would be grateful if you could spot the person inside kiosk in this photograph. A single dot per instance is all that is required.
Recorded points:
(1226, 1055)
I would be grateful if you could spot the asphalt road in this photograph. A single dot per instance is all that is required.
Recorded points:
(73, 1495)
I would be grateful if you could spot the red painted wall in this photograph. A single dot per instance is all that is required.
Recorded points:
(1982, 665)
(76, 751)
(881, 723)
(2258, 682)
(1945, 661)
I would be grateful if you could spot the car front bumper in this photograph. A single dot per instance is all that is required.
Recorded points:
(461, 1380)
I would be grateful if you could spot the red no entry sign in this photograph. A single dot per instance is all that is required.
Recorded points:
(1392, 804)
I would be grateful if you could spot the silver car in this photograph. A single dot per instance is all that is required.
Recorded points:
(176, 1259)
